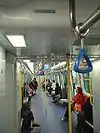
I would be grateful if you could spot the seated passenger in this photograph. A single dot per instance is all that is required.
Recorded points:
(27, 119)
(57, 95)
(78, 102)
(53, 85)
(49, 89)
(35, 84)
(29, 93)
(43, 85)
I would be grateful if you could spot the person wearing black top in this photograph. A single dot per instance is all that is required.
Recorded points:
(57, 93)
(85, 114)
(27, 119)
(35, 84)
(88, 116)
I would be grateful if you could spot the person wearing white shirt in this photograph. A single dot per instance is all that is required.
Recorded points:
(53, 85)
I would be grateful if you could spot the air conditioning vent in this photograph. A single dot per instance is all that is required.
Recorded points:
(45, 11)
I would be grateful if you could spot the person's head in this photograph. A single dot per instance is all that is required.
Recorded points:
(79, 90)
(48, 80)
(34, 78)
(25, 83)
(53, 81)
(57, 84)
(65, 84)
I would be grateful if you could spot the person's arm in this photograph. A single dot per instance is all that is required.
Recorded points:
(74, 99)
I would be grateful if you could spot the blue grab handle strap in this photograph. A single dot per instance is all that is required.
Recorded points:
(82, 54)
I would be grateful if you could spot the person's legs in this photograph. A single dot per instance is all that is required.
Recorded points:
(53, 97)
(50, 91)
(80, 122)
(66, 114)
(57, 99)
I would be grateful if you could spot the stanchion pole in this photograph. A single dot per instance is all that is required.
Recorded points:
(20, 87)
(45, 81)
(45, 74)
(69, 95)
(39, 83)
(90, 82)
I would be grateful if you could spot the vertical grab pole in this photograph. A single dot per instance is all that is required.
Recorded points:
(39, 82)
(91, 90)
(69, 95)
(45, 81)
(45, 94)
(20, 86)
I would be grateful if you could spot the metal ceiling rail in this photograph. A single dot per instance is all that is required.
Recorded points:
(83, 28)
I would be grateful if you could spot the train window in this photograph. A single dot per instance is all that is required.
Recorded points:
(65, 77)
(56, 77)
(86, 83)
(61, 80)
(78, 81)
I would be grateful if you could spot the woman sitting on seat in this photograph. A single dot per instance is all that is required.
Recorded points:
(57, 95)
(78, 102)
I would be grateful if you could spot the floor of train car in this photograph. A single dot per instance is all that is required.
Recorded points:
(48, 115)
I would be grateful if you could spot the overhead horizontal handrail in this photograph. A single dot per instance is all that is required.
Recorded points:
(82, 29)
(89, 124)
(94, 17)
(72, 13)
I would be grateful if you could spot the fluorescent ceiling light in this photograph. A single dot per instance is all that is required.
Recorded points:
(16, 40)
(27, 61)
(30, 65)
(92, 59)
(58, 65)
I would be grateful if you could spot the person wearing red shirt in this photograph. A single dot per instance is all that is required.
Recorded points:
(78, 102)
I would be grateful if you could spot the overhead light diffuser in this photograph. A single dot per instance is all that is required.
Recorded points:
(27, 61)
(16, 40)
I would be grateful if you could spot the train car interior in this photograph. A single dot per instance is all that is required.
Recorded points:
(49, 66)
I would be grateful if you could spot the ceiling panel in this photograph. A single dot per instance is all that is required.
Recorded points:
(91, 45)
(46, 33)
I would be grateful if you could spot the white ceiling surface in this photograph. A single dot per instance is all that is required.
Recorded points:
(24, 16)
(44, 32)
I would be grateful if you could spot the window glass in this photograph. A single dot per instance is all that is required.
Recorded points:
(86, 83)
